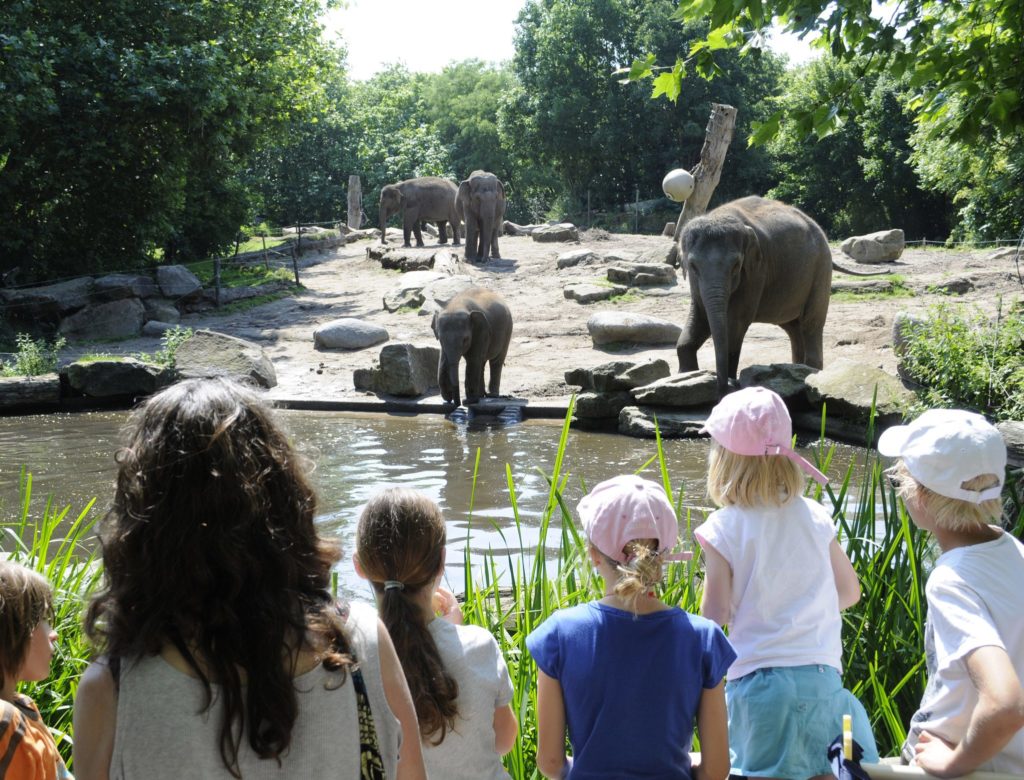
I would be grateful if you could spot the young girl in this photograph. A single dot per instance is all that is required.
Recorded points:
(27, 750)
(776, 575)
(225, 653)
(458, 678)
(628, 675)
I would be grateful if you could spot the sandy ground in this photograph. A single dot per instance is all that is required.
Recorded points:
(550, 333)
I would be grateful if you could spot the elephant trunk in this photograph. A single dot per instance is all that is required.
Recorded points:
(448, 379)
(383, 223)
(718, 321)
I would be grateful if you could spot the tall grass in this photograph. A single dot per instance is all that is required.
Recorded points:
(51, 541)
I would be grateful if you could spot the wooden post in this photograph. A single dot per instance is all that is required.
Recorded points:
(266, 262)
(216, 281)
(708, 171)
(355, 202)
(297, 246)
(295, 265)
(636, 211)
(589, 223)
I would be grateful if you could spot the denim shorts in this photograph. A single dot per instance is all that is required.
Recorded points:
(783, 718)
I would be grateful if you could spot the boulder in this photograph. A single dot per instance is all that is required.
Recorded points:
(591, 406)
(639, 422)
(404, 370)
(512, 229)
(883, 246)
(156, 328)
(588, 292)
(162, 310)
(440, 292)
(113, 320)
(113, 287)
(564, 231)
(576, 257)
(117, 377)
(640, 274)
(48, 303)
(208, 353)
(862, 286)
(447, 263)
(244, 292)
(408, 293)
(18, 391)
(629, 328)
(788, 380)
(616, 257)
(176, 281)
(618, 375)
(348, 333)
(847, 388)
(956, 286)
(669, 229)
(1013, 434)
(1005, 252)
(658, 255)
(685, 390)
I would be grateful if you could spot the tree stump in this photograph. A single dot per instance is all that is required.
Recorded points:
(355, 202)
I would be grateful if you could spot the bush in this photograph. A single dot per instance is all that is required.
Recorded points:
(962, 358)
(34, 356)
(171, 340)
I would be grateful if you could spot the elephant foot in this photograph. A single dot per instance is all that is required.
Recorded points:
(419, 245)
(456, 242)
(407, 245)
(443, 241)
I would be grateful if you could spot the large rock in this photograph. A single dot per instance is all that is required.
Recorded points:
(1006, 252)
(176, 281)
(685, 390)
(640, 422)
(162, 310)
(49, 302)
(408, 293)
(595, 406)
(113, 287)
(404, 370)
(1013, 435)
(883, 246)
(348, 333)
(576, 257)
(22, 391)
(618, 375)
(441, 291)
(588, 292)
(862, 286)
(117, 377)
(788, 380)
(564, 231)
(847, 387)
(208, 353)
(641, 274)
(628, 328)
(156, 329)
(113, 320)
(658, 255)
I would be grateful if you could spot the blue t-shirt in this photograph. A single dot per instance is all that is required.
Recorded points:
(631, 685)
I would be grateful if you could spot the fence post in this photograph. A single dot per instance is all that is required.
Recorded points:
(266, 262)
(295, 264)
(589, 224)
(216, 281)
(636, 207)
(355, 202)
(298, 238)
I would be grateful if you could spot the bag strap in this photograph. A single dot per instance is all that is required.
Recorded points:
(371, 765)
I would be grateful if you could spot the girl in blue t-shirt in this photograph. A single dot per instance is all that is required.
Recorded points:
(629, 675)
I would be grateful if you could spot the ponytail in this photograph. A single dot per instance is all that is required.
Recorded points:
(640, 573)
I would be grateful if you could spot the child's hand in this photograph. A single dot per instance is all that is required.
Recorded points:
(447, 607)
(935, 755)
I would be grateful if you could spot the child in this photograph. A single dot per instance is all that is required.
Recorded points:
(630, 674)
(776, 575)
(458, 678)
(950, 476)
(27, 750)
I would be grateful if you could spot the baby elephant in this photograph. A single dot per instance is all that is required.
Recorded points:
(475, 325)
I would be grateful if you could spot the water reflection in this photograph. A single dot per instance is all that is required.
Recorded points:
(355, 455)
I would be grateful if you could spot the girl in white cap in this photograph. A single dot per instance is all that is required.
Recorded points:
(776, 575)
(629, 675)
(950, 476)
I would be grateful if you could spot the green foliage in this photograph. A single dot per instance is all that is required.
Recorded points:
(964, 359)
(33, 356)
(249, 274)
(170, 341)
(896, 288)
(59, 546)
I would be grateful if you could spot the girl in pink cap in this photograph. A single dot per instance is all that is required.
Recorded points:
(629, 675)
(776, 575)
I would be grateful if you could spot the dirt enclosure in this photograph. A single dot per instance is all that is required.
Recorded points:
(550, 332)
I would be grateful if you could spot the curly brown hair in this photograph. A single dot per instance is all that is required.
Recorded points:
(401, 538)
(210, 547)
(25, 598)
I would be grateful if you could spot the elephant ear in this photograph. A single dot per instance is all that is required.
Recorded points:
(463, 194)
(433, 325)
(481, 328)
(501, 188)
(751, 246)
(682, 253)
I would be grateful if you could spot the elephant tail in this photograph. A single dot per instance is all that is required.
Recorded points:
(860, 273)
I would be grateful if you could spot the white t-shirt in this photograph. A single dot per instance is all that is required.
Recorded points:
(974, 600)
(472, 657)
(785, 606)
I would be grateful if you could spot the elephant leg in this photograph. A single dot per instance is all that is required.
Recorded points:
(471, 239)
(495, 252)
(418, 231)
(814, 349)
(474, 380)
(695, 332)
(496, 364)
(737, 332)
(408, 224)
(796, 340)
(442, 232)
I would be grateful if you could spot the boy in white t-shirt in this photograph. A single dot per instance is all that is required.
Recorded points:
(950, 476)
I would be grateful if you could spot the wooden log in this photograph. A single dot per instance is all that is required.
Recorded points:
(708, 171)
(355, 202)
(18, 391)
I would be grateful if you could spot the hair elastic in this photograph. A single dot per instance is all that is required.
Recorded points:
(393, 585)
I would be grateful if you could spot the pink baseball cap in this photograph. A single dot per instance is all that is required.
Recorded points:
(625, 508)
(755, 421)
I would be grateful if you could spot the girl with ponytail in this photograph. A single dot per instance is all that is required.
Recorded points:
(457, 676)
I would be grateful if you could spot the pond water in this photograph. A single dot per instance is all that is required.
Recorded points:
(355, 455)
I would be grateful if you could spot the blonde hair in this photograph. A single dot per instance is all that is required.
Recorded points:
(950, 514)
(640, 573)
(749, 480)
(25, 599)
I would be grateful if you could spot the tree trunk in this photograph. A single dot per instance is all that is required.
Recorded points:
(29, 391)
(355, 203)
(708, 171)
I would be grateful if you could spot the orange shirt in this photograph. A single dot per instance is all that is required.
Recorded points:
(27, 751)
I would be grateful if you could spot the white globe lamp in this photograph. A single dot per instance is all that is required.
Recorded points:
(678, 184)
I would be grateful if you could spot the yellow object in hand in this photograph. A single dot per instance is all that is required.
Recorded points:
(848, 737)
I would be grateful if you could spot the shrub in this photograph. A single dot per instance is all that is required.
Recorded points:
(171, 340)
(34, 356)
(962, 358)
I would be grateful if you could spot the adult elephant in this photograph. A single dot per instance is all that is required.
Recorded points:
(754, 260)
(424, 199)
(481, 203)
(475, 325)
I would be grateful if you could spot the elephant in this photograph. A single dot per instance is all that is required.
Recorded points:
(426, 199)
(475, 325)
(481, 203)
(753, 260)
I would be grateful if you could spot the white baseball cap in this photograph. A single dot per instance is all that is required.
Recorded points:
(944, 448)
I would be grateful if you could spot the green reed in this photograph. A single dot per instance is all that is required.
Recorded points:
(51, 541)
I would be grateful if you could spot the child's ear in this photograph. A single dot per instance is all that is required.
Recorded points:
(596, 556)
(359, 569)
